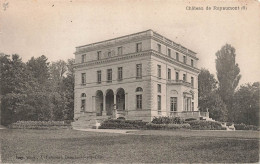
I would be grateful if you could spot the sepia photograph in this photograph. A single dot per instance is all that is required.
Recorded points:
(129, 81)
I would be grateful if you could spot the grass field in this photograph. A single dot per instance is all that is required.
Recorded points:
(143, 146)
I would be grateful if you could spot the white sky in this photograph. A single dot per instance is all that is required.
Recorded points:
(54, 28)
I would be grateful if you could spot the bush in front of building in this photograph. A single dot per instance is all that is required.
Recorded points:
(122, 124)
(167, 120)
(246, 127)
(205, 125)
(39, 125)
(153, 126)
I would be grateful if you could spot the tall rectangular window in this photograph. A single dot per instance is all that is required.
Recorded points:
(177, 56)
(192, 106)
(119, 51)
(139, 101)
(83, 58)
(138, 70)
(184, 59)
(159, 102)
(159, 47)
(83, 78)
(192, 81)
(159, 71)
(169, 74)
(184, 77)
(83, 105)
(138, 47)
(191, 62)
(159, 88)
(120, 73)
(169, 52)
(109, 75)
(98, 55)
(177, 76)
(99, 76)
(173, 103)
(109, 54)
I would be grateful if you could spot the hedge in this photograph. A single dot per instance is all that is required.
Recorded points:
(39, 125)
(246, 127)
(152, 126)
(123, 124)
(167, 120)
(205, 125)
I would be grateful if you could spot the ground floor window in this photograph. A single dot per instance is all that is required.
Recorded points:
(139, 101)
(83, 105)
(173, 103)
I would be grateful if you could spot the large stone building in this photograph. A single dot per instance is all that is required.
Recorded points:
(138, 76)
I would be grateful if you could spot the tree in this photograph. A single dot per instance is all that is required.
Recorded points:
(246, 103)
(209, 98)
(228, 75)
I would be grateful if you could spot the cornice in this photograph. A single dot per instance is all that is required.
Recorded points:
(175, 48)
(134, 55)
(113, 59)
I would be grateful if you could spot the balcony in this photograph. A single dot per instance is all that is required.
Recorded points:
(189, 114)
(179, 82)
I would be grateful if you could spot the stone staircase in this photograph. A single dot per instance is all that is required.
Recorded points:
(88, 120)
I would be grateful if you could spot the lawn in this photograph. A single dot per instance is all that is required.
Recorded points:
(68, 145)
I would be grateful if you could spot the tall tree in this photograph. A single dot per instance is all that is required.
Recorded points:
(228, 75)
(246, 102)
(209, 100)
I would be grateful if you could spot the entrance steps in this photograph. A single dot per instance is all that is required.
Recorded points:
(88, 121)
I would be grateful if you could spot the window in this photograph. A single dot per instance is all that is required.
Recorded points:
(192, 106)
(99, 76)
(159, 71)
(139, 89)
(177, 56)
(184, 59)
(109, 75)
(191, 63)
(109, 54)
(98, 55)
(83, 95)
(83, 58)
(119, 51)
(120, 73)
(83, 105)
(184, 77)
(169, 74)
(192, 81)
(138, 47)
(138, 70)
(159, 88)
(177, 76)
(83, 78)
(159, 102)
(139, 101)
(173, 103)
(169, 52)
(159, 47)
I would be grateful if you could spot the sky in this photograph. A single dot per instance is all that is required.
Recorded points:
(54, 28)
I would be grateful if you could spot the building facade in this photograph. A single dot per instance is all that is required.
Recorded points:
(138, 77)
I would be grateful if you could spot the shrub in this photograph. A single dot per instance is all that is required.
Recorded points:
(39, 125)
(122, 124)
(152, 126)
(167, 120)
(245, 127)
(205, 125)
(190, 119)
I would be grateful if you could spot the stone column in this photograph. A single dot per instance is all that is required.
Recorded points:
(126, 101)
(93, 103)
(104, 112)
